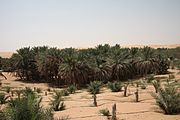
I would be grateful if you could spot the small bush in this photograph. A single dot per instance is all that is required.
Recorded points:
(104, 112)
(178, 67)
(156, 84)
(28, 90)
(3, 98)
(143, 85)
(115, 86)
(168, 99)
(64, 93)
(150, 78)
(71, 89)
(7, 89)
(2, 115)
(38, 90)
(19, 92)
(94, 87)
(57, 103)
(171, 76)
(27, 108)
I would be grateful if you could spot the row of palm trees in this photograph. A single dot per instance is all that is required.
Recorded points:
(80, 66)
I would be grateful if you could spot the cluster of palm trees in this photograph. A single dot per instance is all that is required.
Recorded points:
(81, 66)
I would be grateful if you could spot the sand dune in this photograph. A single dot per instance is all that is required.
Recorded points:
(6, 54)
(9, 54)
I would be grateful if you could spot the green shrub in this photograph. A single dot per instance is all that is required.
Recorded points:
(150, 78)
(7, 89)
(71, 89)
(104, 112)
(19, 92)
(156, 84)
(171, 76)
(27, 108)
(94, 87)
(2, 115)
(38, 90)
(168, 99)
(28, 91)
(64, 92)
(115, 86)
(143, 85)
(57, 103)
(3, 98)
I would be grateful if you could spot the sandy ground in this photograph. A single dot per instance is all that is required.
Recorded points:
(79, 105)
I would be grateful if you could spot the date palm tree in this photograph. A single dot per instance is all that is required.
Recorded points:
(121, 67)
(148, 64)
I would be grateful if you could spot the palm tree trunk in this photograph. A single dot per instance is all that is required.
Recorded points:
(95, 102)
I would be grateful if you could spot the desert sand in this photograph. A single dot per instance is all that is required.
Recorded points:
(6, 54)
(9, 54)
(79, 106)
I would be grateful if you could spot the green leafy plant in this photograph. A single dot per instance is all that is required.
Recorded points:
(3, 98)
(104, 112)
(150, 78)
(64, 92)
(94, 87)
(168, 99)
(27, 108)
(2, 115)
(143, 85)
(156, 84)
(57, 103)
(38, 90)
(28, 91)
(171, 76)
(71, 89)
(7, 89)
(115, 86)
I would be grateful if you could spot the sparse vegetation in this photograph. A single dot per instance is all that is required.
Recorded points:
(104, 112)
(168, 99)
(64, 92)
(57, 103)
(27, 108)
(156, 84)
(171, 76)
(143, 85)
(3, 98)
(94, 88)
(71, 89)
(38, 90)
(150, 78)
(7, 89)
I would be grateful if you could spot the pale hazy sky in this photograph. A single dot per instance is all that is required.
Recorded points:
(84, 23)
